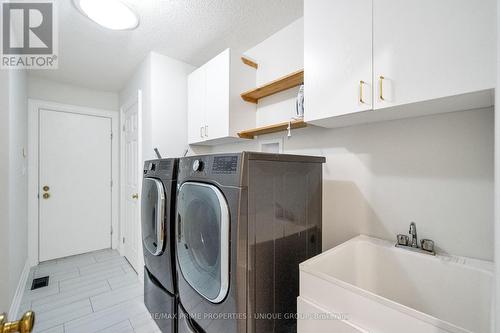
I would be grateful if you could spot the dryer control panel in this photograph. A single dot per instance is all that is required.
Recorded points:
(223, 169)
(225, 164)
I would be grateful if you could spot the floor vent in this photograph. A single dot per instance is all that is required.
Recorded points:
(40, 282)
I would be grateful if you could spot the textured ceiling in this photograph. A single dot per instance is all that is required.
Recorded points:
(189, 30)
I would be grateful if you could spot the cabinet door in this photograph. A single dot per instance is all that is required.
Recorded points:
(217, 106)
(337, 58)
(427, 49)
(196, 106)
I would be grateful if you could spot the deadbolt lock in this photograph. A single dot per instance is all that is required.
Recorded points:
(46, 188)
(46, 195)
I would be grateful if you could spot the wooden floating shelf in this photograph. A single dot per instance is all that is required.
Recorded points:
(286, 82)
(251, 133)
(250, 62)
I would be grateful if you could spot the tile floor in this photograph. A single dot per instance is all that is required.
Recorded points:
(92, 292)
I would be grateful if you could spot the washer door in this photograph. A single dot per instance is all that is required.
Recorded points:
(153, 216)
(203, 239)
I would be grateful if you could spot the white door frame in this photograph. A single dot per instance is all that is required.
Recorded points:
(135, 97)
(34, 107)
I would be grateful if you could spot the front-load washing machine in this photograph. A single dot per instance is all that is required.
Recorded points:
(157, 222)
(244, 223)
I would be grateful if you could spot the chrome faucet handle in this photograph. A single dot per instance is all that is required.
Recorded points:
(403, 240)
(427, 245)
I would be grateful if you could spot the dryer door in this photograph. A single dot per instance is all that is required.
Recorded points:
(153, 216)
(203, 239)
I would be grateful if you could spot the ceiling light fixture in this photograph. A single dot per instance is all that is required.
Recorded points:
(111, 14)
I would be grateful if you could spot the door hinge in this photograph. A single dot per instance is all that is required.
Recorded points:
(123, 240)
(111, 230)
(111, 135)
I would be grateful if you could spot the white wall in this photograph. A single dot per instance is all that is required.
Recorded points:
(13, 183)
(163, 82)
(53, 91)
(436, 170)
(4, 191)
(169, 105)
(497, 181)
(279, 55)
(18, 183)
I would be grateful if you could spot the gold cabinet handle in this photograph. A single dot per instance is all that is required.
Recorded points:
(46, 188)
(45, 196)
(381, 88)
(361, 91)
(135, 196)
(23, 325)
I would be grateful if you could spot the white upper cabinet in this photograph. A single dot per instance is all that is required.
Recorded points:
(428, 49)
(218, 89)
(216, 112)
(422, 56)
(337, 58)
(196, 105)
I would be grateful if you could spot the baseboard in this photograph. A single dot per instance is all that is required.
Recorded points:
(18, 296)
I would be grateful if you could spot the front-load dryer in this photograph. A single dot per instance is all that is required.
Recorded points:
(244, 223)
(157, 224)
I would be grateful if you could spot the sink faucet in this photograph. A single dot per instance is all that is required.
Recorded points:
(411, 243)
(413, 234)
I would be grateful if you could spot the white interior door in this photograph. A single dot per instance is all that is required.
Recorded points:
(74, 184)
(131, 177)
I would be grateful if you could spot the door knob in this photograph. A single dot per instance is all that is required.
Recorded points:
(135, 196)
(45, 196)
(23, 325)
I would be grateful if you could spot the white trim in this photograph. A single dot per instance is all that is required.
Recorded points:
(132, 99)
(34, 106)
(18, 296)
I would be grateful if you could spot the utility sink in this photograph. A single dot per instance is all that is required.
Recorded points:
(369, 285)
